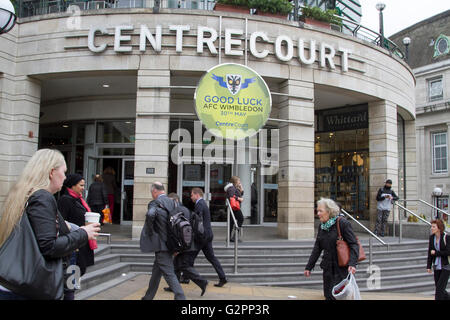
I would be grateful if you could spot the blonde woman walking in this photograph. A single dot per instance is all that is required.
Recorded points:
(42, 177)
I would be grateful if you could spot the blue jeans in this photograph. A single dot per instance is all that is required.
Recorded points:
(5, 295)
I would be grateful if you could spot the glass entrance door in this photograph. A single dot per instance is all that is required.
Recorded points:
(219, 176)
(193, 176)
(121, 185)
(211, 178)
(127, 189)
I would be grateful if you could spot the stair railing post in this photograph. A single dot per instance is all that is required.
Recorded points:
(399, 227)
(236, 240)
(228, 225)
(393, 222)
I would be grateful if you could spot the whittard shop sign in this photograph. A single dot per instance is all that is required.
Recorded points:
(348, 118)
(232, 101)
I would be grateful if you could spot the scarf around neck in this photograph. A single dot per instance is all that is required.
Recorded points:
(327, 225)
(77, 196)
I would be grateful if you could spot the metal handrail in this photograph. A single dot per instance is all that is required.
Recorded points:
(107, 235)
(410, 212)
(370, 233)
(370, 35)
(426, 203)
(400, 220)
(365, 228)
(236, 234)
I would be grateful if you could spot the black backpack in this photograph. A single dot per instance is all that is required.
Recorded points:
(179, 230)
(198, 229)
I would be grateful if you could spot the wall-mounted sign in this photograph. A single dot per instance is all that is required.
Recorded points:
(348, 118)
(232, 101)
(150, 170)
(285, 47)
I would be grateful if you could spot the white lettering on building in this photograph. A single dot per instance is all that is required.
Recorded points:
(283, 46)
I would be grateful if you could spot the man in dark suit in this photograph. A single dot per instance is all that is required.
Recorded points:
(153, 239)
(202, 209)
(184, 261)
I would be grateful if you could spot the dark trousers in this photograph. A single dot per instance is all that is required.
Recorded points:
(185, 263)
(441, 279)
(331, 278)
(163, 266)
(5, 295)
(239, 219)
(208, 251)
(98, 209)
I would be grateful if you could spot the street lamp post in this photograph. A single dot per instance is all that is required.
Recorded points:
(296, 9)
(7, 16)
(406, 42)
(437, 192)
(380, 7)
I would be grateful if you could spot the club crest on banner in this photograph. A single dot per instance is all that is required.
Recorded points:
(232, 101)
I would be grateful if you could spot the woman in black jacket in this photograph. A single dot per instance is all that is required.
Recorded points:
(42, 177)
(234, 190)
(73, 208)
(438, 255)
(98, 197)
(328, 213)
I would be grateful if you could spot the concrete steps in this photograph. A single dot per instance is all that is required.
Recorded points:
(402, 268)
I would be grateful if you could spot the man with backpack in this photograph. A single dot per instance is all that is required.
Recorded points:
(154, 238)
(184, 261)
(201, 208)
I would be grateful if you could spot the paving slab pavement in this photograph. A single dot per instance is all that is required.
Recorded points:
(135, 288)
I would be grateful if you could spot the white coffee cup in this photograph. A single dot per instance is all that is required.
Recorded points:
(92, 217)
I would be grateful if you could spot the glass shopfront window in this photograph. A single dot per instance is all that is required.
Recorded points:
(260, 191)
(342, 159)
(116, 131)
(89, 147)
(59, 134)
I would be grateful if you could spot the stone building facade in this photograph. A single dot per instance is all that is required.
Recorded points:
(111, 88)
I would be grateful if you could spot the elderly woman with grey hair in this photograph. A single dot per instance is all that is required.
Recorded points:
(328, 212)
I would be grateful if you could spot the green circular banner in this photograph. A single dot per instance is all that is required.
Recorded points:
(232, 101)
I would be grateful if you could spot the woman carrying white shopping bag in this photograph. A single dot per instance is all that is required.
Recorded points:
(347, 289)
(328, 212)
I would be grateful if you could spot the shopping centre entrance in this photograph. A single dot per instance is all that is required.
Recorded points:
(122, 172)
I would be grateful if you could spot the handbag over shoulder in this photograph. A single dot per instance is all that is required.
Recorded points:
(235, 204)
(343, 251)
(23, 268)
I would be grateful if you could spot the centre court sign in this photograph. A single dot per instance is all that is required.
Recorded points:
(234, 43)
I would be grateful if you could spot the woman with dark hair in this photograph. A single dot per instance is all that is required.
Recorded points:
(438, 253)
(73, 208)
(234, 190)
